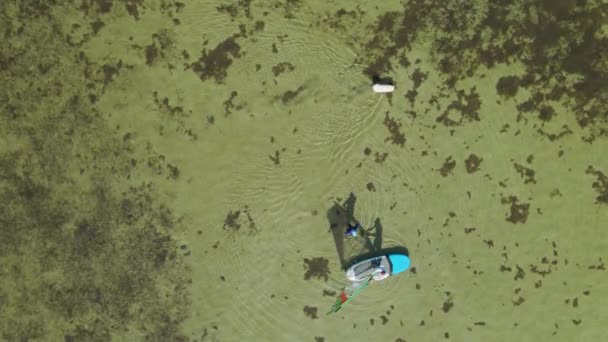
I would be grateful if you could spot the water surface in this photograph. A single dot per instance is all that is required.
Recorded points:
(168, 170)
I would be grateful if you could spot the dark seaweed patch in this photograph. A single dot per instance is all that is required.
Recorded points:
(172, 113)
(316, 267)
(529, 159)
(472, 163)
(96, 26)
(311, 311)
(250, 220)
(519, 301)
(110, 71)
(600, 266)
(465, 37)
(151, 53)
(173, 171)
(289, 7)
(447, 305)
(329, 293)
(133, 7)
(518, 211)
(447, 167)
(553, 136)
(165, 107)
(542, 273)
(507, 86)
(215, 63)
(467, 105)
(281, 68)
(234, 220)
(259, 26)
(228, 104)
(231, 221)
(526, 173)
(170, 9)
(380, 157)
(230, 9)
(343, 19)
(546, 112)
(276, 158)
(396, 136)
(185, 54)
(393, 33)
(161, 43)
(104, 6)
(520, 274)
(291, 94)
(411, 96)
(528, 106)
(417, 77)
(600, 185)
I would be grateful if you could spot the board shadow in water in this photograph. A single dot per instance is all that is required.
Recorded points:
(376, 79)
(367, 244)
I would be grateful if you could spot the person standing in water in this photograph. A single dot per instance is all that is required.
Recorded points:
(352, 230)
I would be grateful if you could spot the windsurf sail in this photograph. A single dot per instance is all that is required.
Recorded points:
(348, 293)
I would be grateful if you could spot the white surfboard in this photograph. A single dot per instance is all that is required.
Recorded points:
(383, 88)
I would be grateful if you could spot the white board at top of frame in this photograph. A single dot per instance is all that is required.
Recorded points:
(383, 88)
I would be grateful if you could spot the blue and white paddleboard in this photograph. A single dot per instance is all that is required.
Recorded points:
(391, 263)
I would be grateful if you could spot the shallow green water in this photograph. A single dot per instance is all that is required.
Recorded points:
(169, 170)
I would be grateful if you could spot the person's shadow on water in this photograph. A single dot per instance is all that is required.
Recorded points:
(340, 217)
(376, 232)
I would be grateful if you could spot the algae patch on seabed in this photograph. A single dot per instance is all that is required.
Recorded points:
(86, 251)
(553, 40)
(317, 268)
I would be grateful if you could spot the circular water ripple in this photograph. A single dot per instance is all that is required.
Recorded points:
(332, 136)
(250, 308)
(273, 194)
(313, 52)
(267, 187)
(200, 16)
(325, 68)
(257, 265)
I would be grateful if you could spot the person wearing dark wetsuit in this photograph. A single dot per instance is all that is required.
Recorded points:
(352, 229)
